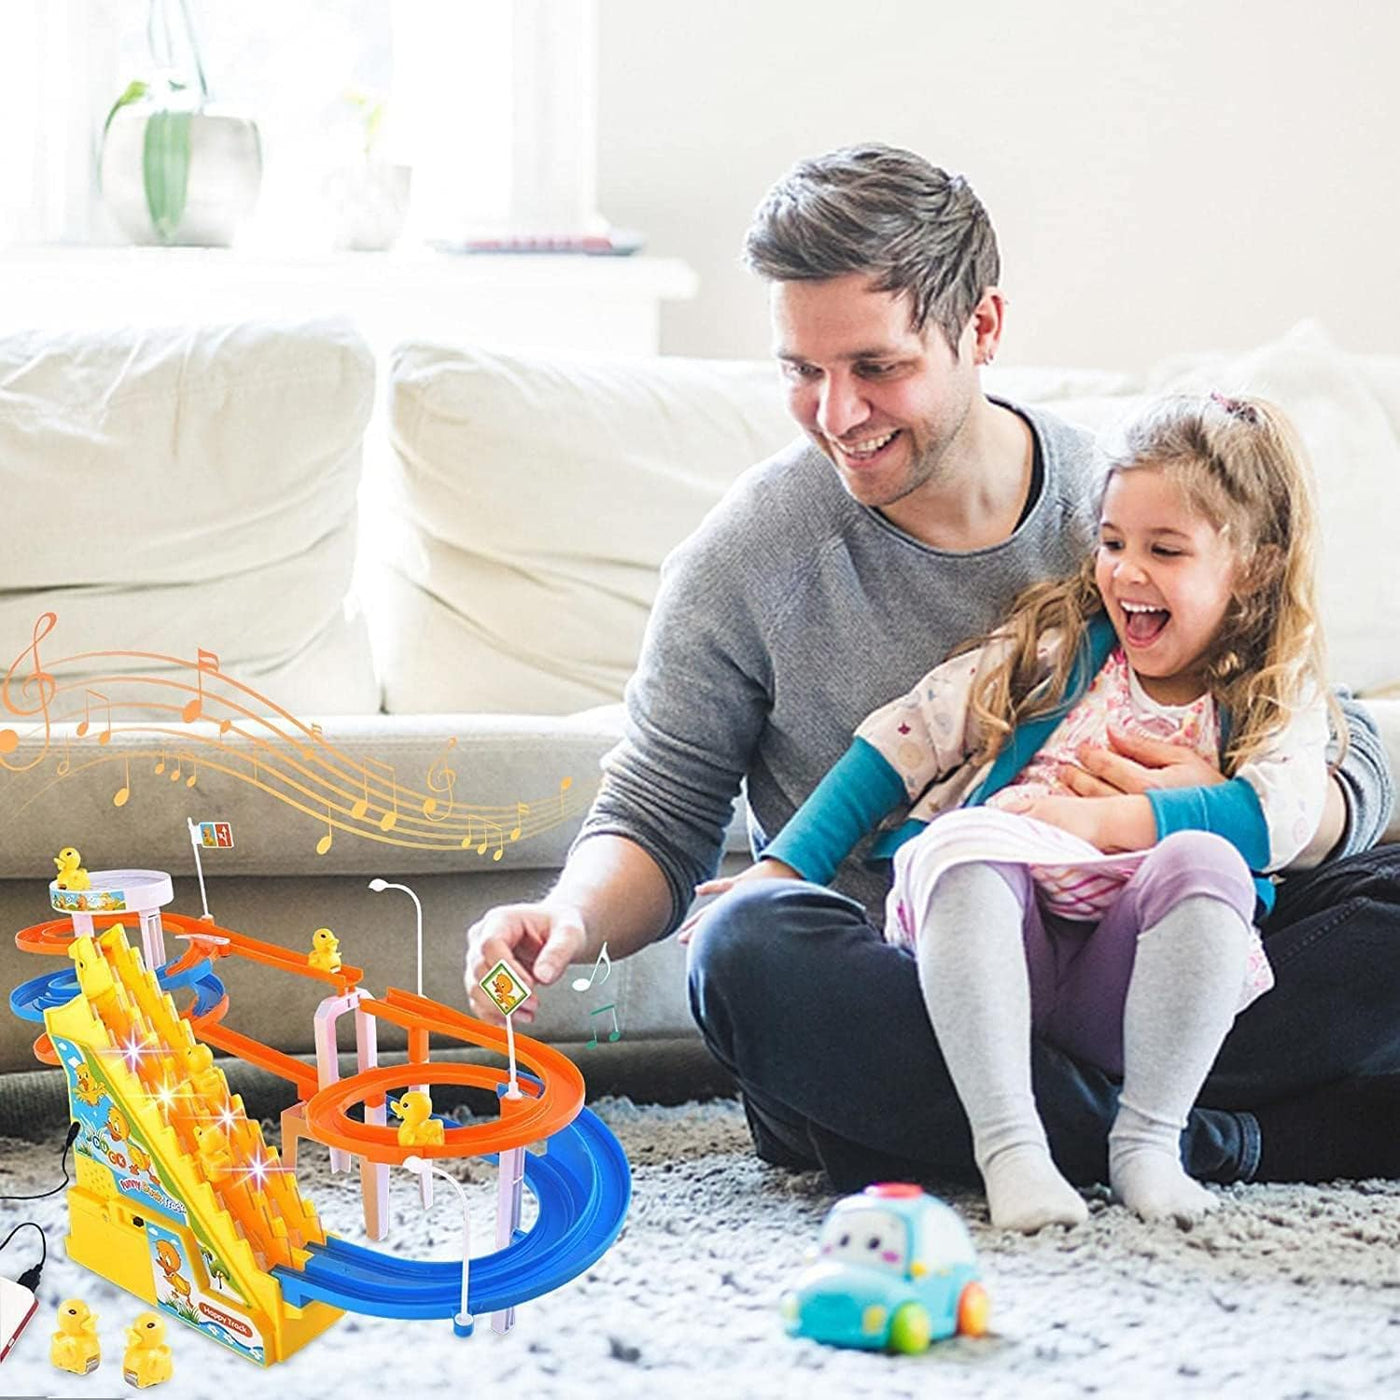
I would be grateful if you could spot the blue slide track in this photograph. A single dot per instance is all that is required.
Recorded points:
(31, 999)
(583, 1186)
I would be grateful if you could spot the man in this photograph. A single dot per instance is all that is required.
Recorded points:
(829, 579)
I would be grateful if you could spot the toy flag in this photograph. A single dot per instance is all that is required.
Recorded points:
(218, 834)
(504, 988)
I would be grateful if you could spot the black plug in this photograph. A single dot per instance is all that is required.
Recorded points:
(30, 1277)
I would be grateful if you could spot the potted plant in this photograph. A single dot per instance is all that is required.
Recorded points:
(177, 168)
(368, 191)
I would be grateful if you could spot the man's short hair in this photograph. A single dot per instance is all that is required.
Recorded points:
(887, 212)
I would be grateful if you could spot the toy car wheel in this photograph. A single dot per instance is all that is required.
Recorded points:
(911, 1329)
(973, 1309)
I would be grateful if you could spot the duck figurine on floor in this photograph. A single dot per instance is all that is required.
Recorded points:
(75, 1346)
(325, 951)
(71, 875)
(148, 1360)
(418, 1127)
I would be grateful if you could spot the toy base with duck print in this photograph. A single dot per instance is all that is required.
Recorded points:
(178, 1198)
(893, 1270)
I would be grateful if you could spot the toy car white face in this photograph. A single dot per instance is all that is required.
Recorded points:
(866, 1235)
(894, 1268)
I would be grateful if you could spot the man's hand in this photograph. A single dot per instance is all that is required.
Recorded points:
(766, 869)
(1134, 763)
(538, 941)
(1118, 823)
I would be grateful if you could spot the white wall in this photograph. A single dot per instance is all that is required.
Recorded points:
(1166, 177)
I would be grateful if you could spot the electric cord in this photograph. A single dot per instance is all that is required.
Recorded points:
(74, 1129)
(30, 1277)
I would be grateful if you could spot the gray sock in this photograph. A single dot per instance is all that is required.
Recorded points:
(1185, 986)
(972, 969)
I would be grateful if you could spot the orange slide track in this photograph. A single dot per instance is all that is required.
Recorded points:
(542, 1110)
(554, 1105)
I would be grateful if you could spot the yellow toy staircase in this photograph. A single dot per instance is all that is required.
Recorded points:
(178, 1198)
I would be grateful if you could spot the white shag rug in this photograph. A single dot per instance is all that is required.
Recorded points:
(1286, 1291)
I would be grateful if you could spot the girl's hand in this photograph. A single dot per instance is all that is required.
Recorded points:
(766, 869)
(1119, 823)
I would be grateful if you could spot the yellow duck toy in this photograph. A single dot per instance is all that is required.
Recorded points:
(148, 1360)
(206, 1078)
(75, 1346)
(418, 1128)
(325, 951)
(94, 976)
(71, 875)
(214, 1151)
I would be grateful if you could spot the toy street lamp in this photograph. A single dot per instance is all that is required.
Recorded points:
(461, 1324)
(378, 885)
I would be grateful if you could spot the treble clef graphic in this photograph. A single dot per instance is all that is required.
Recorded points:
(36, 690)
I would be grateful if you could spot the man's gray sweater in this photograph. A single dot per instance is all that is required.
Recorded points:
(789, 615)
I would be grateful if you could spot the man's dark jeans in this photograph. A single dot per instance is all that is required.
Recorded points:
(823, 1025)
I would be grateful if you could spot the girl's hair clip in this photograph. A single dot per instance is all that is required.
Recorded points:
(1236, 408)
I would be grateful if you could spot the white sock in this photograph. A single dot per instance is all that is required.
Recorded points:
(1185, 986)
(972, 969)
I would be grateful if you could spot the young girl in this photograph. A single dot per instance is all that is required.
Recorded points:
(1120, 927)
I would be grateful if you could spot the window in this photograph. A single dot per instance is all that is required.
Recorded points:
(492, 104)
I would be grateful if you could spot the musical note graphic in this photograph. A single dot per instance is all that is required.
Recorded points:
(361, 806)
(487, 828)
(42, 685)
(204, 661)
(435, 817)
(614, 1034)
(86, 723)
(446, 779)
(582, 984)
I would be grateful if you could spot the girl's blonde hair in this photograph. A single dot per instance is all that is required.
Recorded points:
(1239, 464)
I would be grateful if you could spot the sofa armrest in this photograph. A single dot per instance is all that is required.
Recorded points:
(489, 775)
(537, 774)
(1386, 713)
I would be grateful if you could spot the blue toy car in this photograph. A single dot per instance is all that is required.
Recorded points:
(893, 1269)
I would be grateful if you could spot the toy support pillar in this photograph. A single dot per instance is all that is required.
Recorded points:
(328, 1056)
(374, 1176)
(139, 892)
(510, 1181)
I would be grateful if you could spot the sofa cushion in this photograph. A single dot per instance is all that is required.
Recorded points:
(177, 489)
(1347, 410)
(533, 504)
(1352, 439)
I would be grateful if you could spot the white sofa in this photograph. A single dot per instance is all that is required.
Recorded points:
(462, 656)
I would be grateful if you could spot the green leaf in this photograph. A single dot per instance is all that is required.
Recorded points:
(165, 168)
(135, 91)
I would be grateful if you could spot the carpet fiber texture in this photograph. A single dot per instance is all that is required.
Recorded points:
(1286, 1291)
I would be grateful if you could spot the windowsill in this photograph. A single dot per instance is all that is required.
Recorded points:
(667, 278)
(509, 300)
